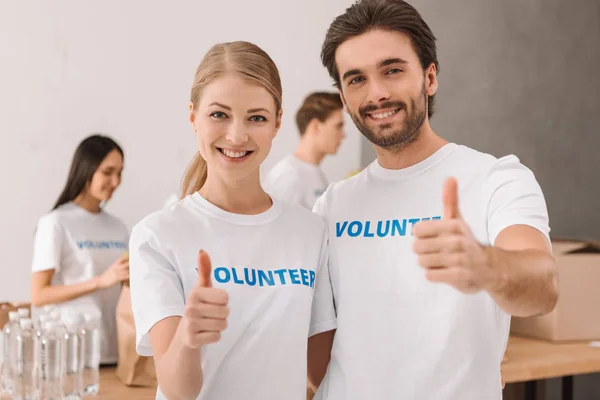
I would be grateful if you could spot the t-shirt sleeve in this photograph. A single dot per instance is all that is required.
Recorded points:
(515, 198)
(323, 314)
(156, 288)
(49, 237)
(320, 206)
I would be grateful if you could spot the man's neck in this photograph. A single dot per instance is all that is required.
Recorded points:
(426, 144)
(306, 152)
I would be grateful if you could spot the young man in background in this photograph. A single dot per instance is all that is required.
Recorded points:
(298, 178)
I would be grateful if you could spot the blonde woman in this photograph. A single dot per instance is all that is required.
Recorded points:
(235, 325)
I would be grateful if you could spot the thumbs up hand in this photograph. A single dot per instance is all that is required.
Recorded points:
(206, 311)
(449, 252)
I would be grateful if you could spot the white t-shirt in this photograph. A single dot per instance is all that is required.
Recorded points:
(296, 182)
(267, 263)
(172, 199)
(80, 245)
(399, 336)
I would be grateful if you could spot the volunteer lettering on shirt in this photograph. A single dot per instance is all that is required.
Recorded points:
(384, 228)
(253, 277)
(269, 264)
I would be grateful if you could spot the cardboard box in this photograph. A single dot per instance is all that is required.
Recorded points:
(577, 314)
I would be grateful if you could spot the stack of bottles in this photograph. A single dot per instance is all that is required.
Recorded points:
(55, 356)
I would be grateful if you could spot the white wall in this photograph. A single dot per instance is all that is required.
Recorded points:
(124, 68)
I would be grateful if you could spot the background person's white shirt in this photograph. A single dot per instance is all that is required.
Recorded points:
(296, 182)
(398, 335)
(268, 265)
(80, 245)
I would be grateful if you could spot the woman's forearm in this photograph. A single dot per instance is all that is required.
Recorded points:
(179, 370)
(53, 294)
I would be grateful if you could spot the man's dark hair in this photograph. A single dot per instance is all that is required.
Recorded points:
(388, 15)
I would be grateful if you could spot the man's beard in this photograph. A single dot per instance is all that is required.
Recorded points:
(408, 132)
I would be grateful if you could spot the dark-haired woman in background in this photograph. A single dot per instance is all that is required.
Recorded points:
(80, 252)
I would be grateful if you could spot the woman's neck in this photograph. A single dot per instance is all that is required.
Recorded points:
(244, 196)
(87, 203)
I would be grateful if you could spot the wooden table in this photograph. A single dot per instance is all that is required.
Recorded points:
(111, 388)
(527, 360)
(530, 360)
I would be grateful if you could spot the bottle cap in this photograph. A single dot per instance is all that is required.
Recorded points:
(26, 323)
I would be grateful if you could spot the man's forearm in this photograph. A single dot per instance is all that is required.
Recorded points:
(527, 281)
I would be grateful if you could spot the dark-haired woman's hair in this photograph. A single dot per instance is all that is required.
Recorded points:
(86, 160)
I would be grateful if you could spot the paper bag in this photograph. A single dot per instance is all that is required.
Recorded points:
(132, 369)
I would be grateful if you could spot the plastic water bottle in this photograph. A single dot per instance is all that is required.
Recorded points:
(2, 352)
(1, 361)
(54, 314)
(9, 341)
(74, 357)
(40, 323)
(91, 369)
(24, 386)
(49, 353)
(1, 357)
(23, 312)
(41, 317)
(48, 308)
